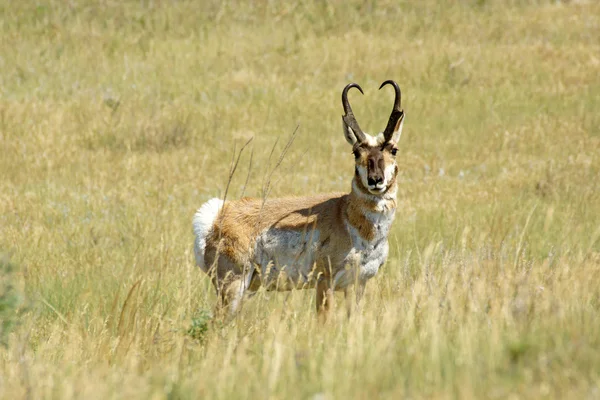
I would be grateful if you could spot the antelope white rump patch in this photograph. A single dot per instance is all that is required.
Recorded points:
(202, 224)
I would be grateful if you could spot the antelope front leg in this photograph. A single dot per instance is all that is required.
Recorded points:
(324, 299)
(359, 290)
(348, 299)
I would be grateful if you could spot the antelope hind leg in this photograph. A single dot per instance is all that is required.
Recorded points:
(230, 292)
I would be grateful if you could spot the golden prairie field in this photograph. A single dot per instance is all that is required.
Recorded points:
(118, 119)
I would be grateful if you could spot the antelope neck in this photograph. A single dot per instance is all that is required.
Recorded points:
(369, 215)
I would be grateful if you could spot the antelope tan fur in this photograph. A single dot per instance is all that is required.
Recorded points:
(326, 241)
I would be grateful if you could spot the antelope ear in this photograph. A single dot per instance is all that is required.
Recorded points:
(397, 130)
(349, 133)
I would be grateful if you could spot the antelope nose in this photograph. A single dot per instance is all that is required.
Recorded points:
(374, 181)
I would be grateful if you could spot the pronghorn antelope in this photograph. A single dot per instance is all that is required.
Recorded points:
(326, 241)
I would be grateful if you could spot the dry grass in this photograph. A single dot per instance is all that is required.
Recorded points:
(119, 118)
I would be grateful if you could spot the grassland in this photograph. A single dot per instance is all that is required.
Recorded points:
(119, 118)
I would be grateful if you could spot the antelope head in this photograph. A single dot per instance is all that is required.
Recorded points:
(375, 156)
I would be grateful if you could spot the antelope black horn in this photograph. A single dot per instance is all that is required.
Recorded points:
(349, 118)
(397, 112)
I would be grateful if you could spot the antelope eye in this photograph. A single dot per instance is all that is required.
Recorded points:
(356, 153)
(394, 151)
